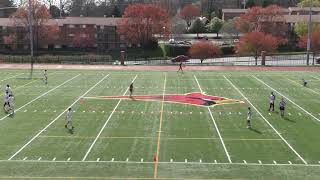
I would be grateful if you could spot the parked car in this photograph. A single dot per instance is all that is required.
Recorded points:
(180, 58)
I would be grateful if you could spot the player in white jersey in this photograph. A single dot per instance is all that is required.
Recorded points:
(249, 118)
(45, 76)
(69, 119)
(8, 89)
(6, 104)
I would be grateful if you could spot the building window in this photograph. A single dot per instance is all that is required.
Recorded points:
(83, 35)
(71, 35)
(83, 26)
(71, 26)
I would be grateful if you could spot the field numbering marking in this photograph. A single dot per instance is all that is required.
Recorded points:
(105, 124)
(24, 146)
(277, 132)
(216, 126)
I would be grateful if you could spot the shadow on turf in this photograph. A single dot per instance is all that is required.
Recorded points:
(255, 130)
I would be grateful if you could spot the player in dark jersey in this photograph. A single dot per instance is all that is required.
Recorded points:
(272, 98)
(131, 89)
(180, 67)
(304, 82)
(282, 106)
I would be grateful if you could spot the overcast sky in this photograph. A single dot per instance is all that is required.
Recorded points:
(56, 2)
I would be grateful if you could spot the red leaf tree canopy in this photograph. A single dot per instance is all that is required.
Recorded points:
(40, 17)
(141, 21)
(204, 49)
(255, 42)
(269, 20)
(189, 12)
(315, 42)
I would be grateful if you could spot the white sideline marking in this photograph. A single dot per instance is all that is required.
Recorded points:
(69, 159)
(274, 162)
(54, 159)
(56, 118)
(260, 162)
(39, 158)
(244, 161)
(215, 124)
(105, 124)
(16, 110)
(25, 110)
(287, 98)
(25, 158)
(11, 77)
(188, 163)
(284, 140)
(289, 162)
(98, 159)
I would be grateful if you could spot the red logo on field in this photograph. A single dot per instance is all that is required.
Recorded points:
(196, 99)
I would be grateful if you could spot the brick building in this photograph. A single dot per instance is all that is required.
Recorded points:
(93, 32)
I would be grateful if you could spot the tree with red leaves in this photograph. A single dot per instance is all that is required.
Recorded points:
(83, 40)
(40, 17)
(189, 12)
(269, 20)
(141, 21)
(315, 42)
(255, 42)
(204, 49)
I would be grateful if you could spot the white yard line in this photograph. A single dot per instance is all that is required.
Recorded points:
(11, 77)
(287, 98)
(105, 124)
(284, 140)
(215, 125)
(171, 162)
(18, 109)
(56, 118)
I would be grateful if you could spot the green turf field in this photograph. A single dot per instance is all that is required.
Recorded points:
(121, 138)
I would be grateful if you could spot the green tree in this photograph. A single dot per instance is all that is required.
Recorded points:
(215, 26)
(7, 3)
(250, 3)
(307, 3)
(197, 27)
(229, 28)
(301, 28)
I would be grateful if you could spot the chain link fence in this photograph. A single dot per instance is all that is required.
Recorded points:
(271, 60)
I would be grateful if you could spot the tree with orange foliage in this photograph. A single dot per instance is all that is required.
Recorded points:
(269, 20)
(189, 12)
(255, 42)
(40, 16)
(315, 43)
(204, 49)
(141, 21)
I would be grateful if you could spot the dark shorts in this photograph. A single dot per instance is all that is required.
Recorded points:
(282, 108)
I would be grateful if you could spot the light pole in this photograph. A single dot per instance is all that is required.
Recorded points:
(30, 36)
(309, 34)
(163, 32)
